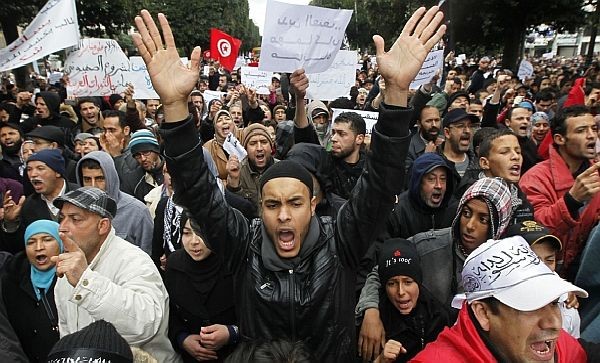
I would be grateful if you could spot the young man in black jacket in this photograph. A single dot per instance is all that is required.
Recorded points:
(295, 273)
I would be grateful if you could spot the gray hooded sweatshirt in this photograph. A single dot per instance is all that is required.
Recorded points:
(132, 222)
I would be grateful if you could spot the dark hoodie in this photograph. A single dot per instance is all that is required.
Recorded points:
(411, 215)
(52, 100)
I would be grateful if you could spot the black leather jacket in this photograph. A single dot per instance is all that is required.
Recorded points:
(314, 301)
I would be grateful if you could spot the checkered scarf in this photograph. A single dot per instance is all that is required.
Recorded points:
(499, 199)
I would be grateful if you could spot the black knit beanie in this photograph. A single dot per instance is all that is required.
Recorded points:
(399, 257)
(98, 341)
(287, 169)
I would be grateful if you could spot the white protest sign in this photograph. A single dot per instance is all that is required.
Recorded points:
(240, 62)
(212, 95)
(98, 68)
(336, 81)
(369, 117)
(55, 77)
(205, 70)
(525, 70)
(253, 77)
(433, 63)
(301, 36)
(234, 147)
(140, 79)
(54, 28)
(548, 55)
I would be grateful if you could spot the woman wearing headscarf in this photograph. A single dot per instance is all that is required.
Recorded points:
(224, 126)
(202, 320)
(28, 290)
(411, 316)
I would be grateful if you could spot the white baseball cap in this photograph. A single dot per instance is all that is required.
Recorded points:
(511, 272)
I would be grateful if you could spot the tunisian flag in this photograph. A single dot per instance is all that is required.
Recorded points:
(224, 48)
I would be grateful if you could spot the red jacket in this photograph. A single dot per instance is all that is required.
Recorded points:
(545, 185)
(462, 343)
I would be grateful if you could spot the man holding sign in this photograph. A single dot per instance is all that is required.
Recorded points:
(295, 274)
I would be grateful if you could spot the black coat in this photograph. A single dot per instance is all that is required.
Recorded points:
(28, 316)
(191, 309)
(314, 301)
(416, 329)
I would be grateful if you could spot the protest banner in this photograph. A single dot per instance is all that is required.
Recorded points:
(97, 68)
(370, 117)
(336, 81)
(140, 79)
(301, 36)
(253, 77)
(433, 63)
(525, 70)
(54, 28)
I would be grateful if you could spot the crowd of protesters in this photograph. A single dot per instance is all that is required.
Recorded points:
(462, 226)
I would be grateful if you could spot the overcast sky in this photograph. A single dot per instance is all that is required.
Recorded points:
(258, 8)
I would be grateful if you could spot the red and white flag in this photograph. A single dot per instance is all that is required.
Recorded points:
(224, 48)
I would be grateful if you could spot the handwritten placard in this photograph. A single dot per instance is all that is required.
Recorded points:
(140, 79)
(234, 147)
(253, 77)
(54, 28)
(336, 81)
(433, 63)
(369, 117)
(301, 36)
(525, 70)
(213, 95)
(98, 68)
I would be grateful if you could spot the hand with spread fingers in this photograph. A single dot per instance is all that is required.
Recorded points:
(401, 64)
(172, 80)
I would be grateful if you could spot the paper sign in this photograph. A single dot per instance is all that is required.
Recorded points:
(54, 28)
(212, 95)
(433, 63)
(234, 147)
(336, 81)
(369, 117)
(548, 55)
(301, 36)
(140, 79)
(525, 70)
(253, 77)
(98, 68)
(205, 71)
(55, 77)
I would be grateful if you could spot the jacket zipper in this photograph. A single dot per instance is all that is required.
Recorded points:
(292, 308)
(433, 222)
(48, 309)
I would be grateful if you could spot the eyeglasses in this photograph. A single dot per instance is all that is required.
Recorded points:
(461, 126)
(139, 155)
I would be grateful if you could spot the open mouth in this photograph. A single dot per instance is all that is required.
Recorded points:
(260, 157)
(543, 350)
(404, 304)
(41, 259)
(591, 146)
(286, 240)
(226, 130)
(515, 170)
(436, 197)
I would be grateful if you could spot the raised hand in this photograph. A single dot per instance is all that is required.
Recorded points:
(71, 263)
(12, 210)
(299, 83)
(172, 80)
(400, 65)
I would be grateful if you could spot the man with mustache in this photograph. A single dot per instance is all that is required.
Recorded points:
(456, 150)
(46, 170)
(426, 139)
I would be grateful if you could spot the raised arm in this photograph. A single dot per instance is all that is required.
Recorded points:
(195, 188)
(372, 199)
